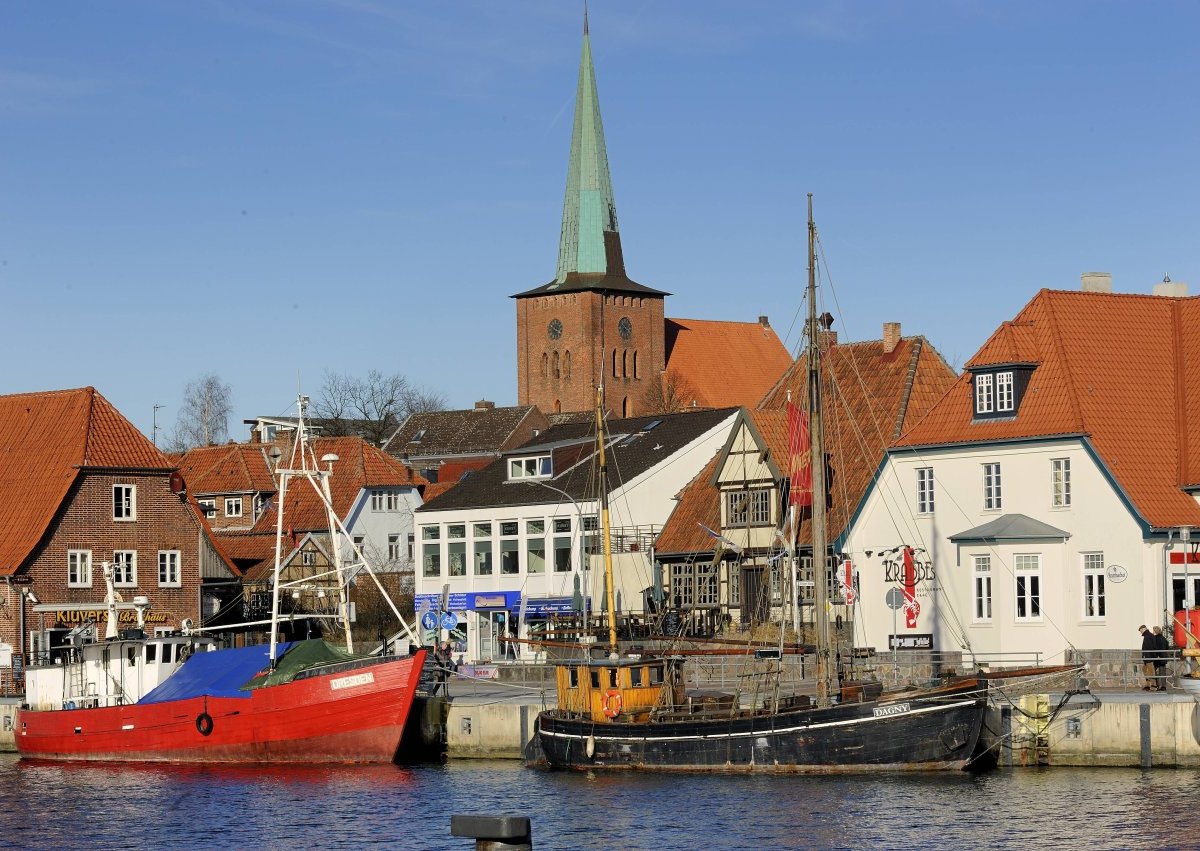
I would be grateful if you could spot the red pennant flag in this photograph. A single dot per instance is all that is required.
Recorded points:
(911, 607)
(800, 450)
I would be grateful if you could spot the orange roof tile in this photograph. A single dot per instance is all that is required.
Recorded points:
(698, 503)
(228, 468)
(724, 364)
(1113, 367)
(45, 440)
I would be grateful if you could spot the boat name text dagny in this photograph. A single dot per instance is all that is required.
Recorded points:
(898, 709)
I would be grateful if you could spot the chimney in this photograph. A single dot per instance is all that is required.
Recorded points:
(484, 405)
(826, 339)
(891, 337)
(764, 322)
(1096, 282)
(1171, 289)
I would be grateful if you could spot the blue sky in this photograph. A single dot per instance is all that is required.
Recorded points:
(270, 190)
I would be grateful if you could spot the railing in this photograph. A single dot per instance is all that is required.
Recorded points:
(12, 682)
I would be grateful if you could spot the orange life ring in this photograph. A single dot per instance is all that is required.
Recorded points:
(612, 703)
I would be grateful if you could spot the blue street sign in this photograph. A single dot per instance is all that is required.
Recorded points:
(429, 620)
(449, 620)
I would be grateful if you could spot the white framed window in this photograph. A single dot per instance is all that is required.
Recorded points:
(538, 467)
(360, 541)
(168, 568)
(308, 558)
(1004, 391)
(124, 568)
(1093, 586)
(983, 394)
(233, 506)
(535, 546)
(377, 500)
(411, 545)
(1061, 478)
(510, 548)
(79, 568)
(983, 588)
(124, 502)
(1027, 568)
(993, 499)
(208, 506)
(748, 506)
(924, 490)
(393, 547)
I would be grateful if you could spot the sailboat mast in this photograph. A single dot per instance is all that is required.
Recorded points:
(822, 640)
(604, 527)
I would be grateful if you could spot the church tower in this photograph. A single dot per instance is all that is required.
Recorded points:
(592, 323)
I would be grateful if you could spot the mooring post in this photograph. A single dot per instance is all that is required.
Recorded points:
(494, 833)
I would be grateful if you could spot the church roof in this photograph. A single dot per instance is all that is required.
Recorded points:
(724, 364)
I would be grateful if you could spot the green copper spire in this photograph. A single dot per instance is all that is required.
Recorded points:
(589, 222)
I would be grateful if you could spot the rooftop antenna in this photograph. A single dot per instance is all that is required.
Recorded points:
(154, 426)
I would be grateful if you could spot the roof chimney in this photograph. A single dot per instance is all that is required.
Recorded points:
(1096, 282)
(764, 322)
(891, 337)
(484, 405)
(1171, 289)
(826, 339)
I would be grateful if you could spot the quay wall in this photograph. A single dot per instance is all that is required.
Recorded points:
(8, 723)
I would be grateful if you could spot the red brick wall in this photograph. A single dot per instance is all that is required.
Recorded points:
(590, 334)
(164, 522)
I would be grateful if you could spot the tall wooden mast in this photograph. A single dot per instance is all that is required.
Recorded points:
(604, 525)
(822, 640)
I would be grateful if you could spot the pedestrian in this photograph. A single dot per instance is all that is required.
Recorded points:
(1160, 661)
(440, 663)
(1149, 653)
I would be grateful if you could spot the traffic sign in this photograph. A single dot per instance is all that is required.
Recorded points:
(895, 598)
(429, 620)
(449, 620)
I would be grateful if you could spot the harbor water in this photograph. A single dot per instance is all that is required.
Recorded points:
(56, 806)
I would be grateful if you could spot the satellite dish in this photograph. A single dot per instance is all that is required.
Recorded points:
(187, 626)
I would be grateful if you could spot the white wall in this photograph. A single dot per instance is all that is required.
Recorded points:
(1097, 520)
(375, 526)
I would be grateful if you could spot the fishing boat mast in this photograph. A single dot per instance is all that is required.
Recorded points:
(822, 638)
(604, 526)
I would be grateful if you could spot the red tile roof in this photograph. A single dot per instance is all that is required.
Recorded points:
(868, 394)
(1110, 366)
(45, 440)
(724, 364)
(228, 468)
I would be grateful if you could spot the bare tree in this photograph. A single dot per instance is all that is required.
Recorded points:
(204, 416)
(372, 407)
(670, 394)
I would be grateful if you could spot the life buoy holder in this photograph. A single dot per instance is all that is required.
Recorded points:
(612, 703)
(204, 724)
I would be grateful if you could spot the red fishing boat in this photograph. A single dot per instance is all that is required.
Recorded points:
(179, 698)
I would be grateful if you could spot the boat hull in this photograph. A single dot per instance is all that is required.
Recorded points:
(907, 732)
(354, 715)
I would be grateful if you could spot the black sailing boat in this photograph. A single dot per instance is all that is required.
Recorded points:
(634, 712)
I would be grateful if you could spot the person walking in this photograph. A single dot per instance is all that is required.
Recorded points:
(1149, 652)
(1163, 651)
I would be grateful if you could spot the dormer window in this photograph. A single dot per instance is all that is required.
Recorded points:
(998, 392)
(538, 467)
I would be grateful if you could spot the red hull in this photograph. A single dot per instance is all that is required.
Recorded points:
(355, 715)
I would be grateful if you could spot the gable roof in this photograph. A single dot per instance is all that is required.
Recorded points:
(724, 363)
(359, 465)
(474, 431)
(868, 395)
(635, 446)
(228, 468)
(1113, 368)
(46, 440)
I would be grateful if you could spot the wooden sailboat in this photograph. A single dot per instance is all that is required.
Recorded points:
(180, 698)
(634, 712)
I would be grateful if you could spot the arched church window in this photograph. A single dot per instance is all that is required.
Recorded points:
(626, 411)
(636, 374)
(545, 361)
(556, 372)
(567, 366)
(625, 364)
(557, 406)
(614, 363)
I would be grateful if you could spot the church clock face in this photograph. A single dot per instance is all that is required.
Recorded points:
(554, 329)
(625, 328)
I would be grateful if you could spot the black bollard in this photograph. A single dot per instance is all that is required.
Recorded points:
(494, 833)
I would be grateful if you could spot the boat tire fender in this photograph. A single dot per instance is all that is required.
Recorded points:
(612, 703)
(204, 724)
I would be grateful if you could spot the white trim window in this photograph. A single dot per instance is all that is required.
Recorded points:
(124, 568)
(1004, 391)
(993, 499)
(751, 507)
(982, 570)
(983, 393)
(385, 501)
(1061, 481)
(124, 502)
(394, 547)
(536, 467)
(1027, 568)
(1093, 586)
(168, 568)
(208, 506)
(925, 490)
(79, 568)
(233, 506)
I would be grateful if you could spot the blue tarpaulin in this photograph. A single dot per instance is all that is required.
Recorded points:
(217, 673)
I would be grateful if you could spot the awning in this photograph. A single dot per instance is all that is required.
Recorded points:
(1010, 527)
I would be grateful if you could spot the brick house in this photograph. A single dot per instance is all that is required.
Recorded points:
(80, 486)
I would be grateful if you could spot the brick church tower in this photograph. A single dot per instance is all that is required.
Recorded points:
(592, 323)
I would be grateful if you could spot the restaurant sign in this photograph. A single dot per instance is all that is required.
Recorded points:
(78, 617)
